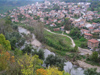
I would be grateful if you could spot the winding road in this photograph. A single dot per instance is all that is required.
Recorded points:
(82, 64)
(73, 43)
(81, 50)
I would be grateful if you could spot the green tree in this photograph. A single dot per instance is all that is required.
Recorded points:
(55, 61)
(15, 39)
(8, 20)
(5, 26)
(76, 49)
(40, 53)
(82, 39)
(67, 24)
(28, 64)
(75, 33)
(83, 45)
(46, 18)
(28, 48)
(20, 17)
(56, 7)
(5, 43)
(91, 72)
(95, 56)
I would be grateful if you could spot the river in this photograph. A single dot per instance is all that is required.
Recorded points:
(69, 67)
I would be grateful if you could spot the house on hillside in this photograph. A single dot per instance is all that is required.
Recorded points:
(53, 24)
(91, 29)
(62, 28)
(93, 43)
(84, 31)
(56, 29)
(88, 36)
(96, 31)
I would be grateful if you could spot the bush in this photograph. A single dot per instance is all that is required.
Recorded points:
(82, 39)
(91, 72)
(54, 61)
(40, 53)
(28, 49)
(95, 56)
(84, 45)
(15, 39)
(75, 33)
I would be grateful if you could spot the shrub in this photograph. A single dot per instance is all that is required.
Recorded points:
(55, 61)
(40, 53)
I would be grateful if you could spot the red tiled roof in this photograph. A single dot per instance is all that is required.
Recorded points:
(94, 23)
(88, 34)
(56, 29)
(93, 41)
(96, 31)
(85, 30)
(62, 27)
(91, 28)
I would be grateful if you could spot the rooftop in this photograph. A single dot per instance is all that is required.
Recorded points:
(93, 41)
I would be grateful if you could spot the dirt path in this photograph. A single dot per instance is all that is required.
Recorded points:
(81, 50)
(84, 51)
(73, 43)
(85, 65)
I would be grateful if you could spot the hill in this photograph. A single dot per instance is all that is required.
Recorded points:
(6, 5)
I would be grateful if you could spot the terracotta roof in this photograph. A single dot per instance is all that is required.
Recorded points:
(62, 27)
(93, 41)
(85, 30)
(96, 31)
(91, 28)
(94, 23)
(88, 34)
(56, 29)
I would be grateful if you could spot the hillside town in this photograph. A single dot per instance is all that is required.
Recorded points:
(77, 13)
(50, 37)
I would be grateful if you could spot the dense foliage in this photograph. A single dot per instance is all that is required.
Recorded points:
(40, 53)
(78, 38)
(91, 72)
(6, 5)
(95, 6)
(55, 61)
(67, 24)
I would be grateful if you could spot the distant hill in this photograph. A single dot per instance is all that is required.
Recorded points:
(6, 5)
(76, 0)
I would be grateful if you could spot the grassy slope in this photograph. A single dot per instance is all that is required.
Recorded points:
(55, 40)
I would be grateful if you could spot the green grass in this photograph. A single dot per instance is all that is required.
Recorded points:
(78, 42)
(56, 38)
(53, 44)
(93, 63)
(98, 12)
(60, 32)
